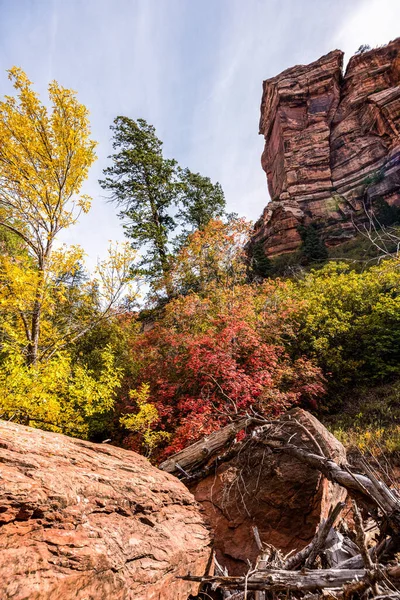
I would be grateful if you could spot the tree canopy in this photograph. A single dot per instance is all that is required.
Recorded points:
(161, 204)
(44, 159)
(47, 302)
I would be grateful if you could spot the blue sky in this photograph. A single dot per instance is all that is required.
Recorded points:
(192, 68)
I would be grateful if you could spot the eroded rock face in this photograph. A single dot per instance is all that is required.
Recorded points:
(284, 498)
(332, 144)
(90, 521)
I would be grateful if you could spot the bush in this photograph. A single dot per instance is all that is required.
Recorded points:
(349, 322)
(209, 359)
(57, 395)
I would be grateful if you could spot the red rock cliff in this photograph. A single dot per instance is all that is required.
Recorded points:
(325, 134)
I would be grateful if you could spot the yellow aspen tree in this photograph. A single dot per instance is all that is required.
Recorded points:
(45, 155)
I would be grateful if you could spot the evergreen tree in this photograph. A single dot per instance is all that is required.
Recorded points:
(313, 247)
(145, 185)
(260, 263)
(201, 201)
(149, 189)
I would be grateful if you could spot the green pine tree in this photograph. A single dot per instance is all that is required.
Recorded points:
(201, 200)
(260, 263)
(154, 195)
(145, 185)
(312, 248)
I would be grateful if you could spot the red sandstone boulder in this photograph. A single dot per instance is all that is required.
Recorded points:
(325, 134)
(284, 498)
(90, 522)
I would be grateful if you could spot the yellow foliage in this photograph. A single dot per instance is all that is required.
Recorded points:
(213, 257)
(375, 441)
(45, 301)
(349, 321)
(142, 421)
(45, 156)
(56, 395)
(113, 275)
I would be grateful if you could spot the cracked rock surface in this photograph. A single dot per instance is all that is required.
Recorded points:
(90, 521)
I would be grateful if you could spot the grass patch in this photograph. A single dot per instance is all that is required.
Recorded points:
(375, 442)
(369, 420)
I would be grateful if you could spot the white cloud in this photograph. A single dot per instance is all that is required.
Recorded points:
(193, 68)
(374, 22)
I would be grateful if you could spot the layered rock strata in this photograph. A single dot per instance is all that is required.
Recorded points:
(332, 145)
(90, 521)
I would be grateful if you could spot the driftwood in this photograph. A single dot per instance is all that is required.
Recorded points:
(361, 575)
(195, 456)
(308, 554)
(377, 494)
(304, 580)
(322, 534)
(369, 565)
(338, 549)
(386, 546)
(372, 491)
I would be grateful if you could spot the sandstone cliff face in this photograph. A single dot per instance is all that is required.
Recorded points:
(285, 499)
(325, 135)
(89, 521)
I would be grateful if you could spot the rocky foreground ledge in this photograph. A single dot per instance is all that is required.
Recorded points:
(90, 521)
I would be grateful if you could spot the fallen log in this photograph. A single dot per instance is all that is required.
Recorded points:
(375, 492)
(278, 580)
(381, 496)
(366, 569)
(195, 456)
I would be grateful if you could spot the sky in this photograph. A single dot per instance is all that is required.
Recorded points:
(192, 68)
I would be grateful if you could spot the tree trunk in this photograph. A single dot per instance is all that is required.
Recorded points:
(195, 456)
(301, 581)
(33, 346)
(159, 244)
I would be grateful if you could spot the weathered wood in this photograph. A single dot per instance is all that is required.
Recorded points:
(382, 498)
(298, 559)
(362, 544)
(196, 455)
(302, 581)
(360, 538)
(316, 544)
(387, 546)
(279, 580)
(322, 534)
(339, 548)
